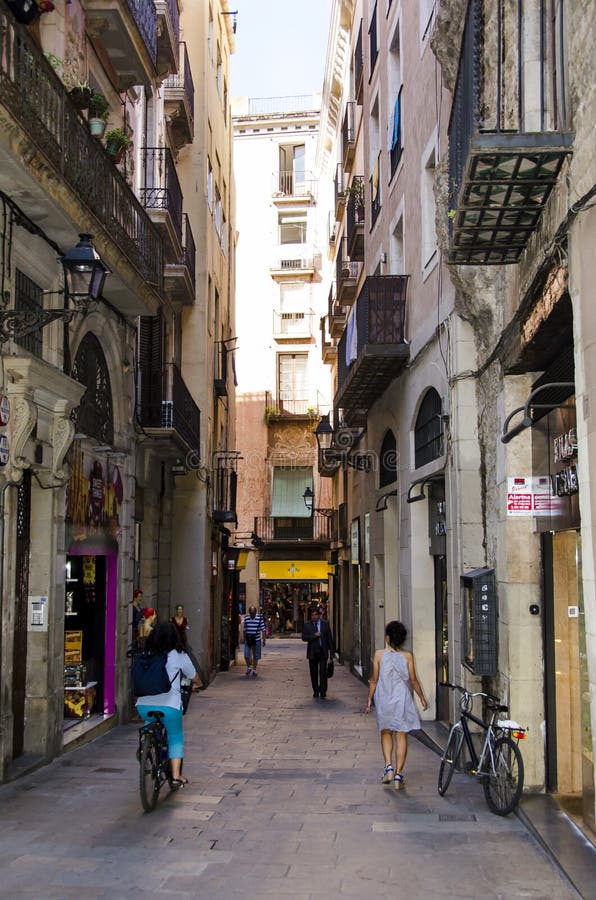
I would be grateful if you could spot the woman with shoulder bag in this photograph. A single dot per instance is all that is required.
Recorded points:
(164, 639)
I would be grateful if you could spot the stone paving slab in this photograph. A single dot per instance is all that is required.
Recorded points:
(284, 801)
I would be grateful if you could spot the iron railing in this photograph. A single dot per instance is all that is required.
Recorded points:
(345, 268)
(295, 184)
(166, 402)
(225, 482)
(348, 131)
(380, 312)
(355, 210)
(161, 185)
(145, 16)
(358, 66)
(375, 192)
(36, 98)
(183, 79)
(511, 78)
(339, 189)
(286, 324)
(174, 18)
(297, 405)
(263, 106)
(294, 528)
(189, 251)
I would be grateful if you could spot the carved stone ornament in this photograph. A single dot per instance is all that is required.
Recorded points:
(62, 436)
(22, 421)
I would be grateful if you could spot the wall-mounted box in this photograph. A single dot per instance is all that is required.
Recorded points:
(479, 621)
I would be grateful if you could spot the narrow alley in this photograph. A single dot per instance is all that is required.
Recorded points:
(284, 800)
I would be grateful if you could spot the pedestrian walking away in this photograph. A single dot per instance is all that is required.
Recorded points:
(253, 626)
(392, 682)
(164, 639)
(317, 633)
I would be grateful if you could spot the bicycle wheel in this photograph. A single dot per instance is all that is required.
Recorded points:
(450, 759)
(148, 774)
(504, 786)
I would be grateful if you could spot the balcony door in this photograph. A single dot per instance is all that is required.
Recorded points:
(292, 378)
(292, 170)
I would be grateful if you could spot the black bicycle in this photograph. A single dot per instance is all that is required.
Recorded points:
(499, 766)
(153, 753)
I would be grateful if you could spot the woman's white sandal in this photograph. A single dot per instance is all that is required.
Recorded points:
(399, 781)
(387, 776)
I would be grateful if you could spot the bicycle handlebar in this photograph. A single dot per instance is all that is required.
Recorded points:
(458, 687)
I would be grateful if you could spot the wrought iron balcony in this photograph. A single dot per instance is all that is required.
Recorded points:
(168, 36)
(337, 317)
(39, 104)
(161, 195)
(293, 326)
(359, 67)
(276, 529)
(180, 277)
(328, 344)
(348, 135)
(291, 186)
(355, 219)
(372, 350)
(179, 102)
(291, 266)
(225, 481)
(297, 406)
(346, 274)
(126, 31)
(508, 134)
(167, 410)
(339, 190)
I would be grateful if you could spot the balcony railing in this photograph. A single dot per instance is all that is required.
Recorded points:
(348, 134)
(179, 98)
(337, 315)
(145, 16)
(339, 189)
(372, 350)
(161, 188)
(296, 405)
(294, 184)
(355, 219)
(507, 132)
(168, 35)
(225, 482)
(39, 102)
(359, 67)
(189, 250)
(346, 273)
(167, 405)
(293, 528)
(292, 324)
(375, 191)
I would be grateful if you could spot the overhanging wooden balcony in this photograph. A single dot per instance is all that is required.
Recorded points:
(64, 177)
(507, 133)
(372, 350)
(126, 32)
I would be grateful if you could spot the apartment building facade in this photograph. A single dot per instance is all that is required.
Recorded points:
(283, 385)
(106, 409)
(463, 132)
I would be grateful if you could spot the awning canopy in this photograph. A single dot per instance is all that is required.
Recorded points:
(293, 570)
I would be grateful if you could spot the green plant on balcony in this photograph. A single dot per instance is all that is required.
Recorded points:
(117, 142)
(313, 413)
(98, 114)
(270, 412)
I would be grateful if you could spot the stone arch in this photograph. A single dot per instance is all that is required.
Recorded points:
(94, 416)
(428, 429)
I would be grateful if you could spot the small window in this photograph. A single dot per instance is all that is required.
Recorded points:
(427, 195)
(428, 434)
(29, 298)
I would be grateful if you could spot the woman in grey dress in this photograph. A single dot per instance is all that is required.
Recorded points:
(392, 682)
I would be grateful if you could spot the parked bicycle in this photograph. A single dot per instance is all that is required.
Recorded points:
(153, 754)
(500, 766)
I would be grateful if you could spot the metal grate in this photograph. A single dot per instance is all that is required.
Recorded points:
(29, 298)
(428, 433)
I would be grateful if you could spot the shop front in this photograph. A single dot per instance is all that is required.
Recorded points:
(288, 589)
(93, 506)
(569, 756)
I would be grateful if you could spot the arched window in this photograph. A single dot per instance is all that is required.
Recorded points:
(94, 416)
(388, 460)
(428, 433)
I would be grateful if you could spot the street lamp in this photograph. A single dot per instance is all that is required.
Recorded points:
(84, 273)
(335, 448)
(309, 499)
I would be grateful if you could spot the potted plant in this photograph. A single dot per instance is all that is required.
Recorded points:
(116, 143)
(80, 94)
(98, 114)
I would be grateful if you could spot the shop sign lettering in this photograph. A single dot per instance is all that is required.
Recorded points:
(566, 482)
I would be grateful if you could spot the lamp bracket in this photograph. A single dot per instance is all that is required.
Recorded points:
(18, 323)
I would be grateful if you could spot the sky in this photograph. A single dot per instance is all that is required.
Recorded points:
(280, 47)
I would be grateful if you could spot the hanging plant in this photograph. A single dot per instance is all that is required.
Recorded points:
(116, 143)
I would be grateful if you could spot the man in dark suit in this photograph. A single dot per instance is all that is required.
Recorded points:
(320, 644)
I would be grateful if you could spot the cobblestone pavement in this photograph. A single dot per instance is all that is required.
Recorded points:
(285, 801)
